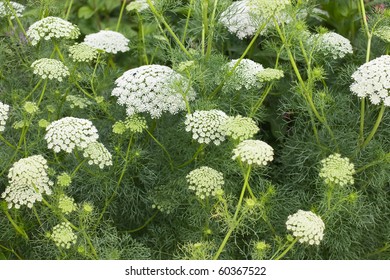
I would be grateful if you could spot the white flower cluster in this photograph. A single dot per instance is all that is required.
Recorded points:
(4, 109)
(337, 170)
(331, 43)
(205, 181)
(240, 128)
(372, 80)
(383, 33)
(51, 28)
(78, 101)
(28, 180)
(243, 18)
(49, 68)
(254, 152)
(268, 8)
(245, 75)
(138, 5)
(108, 41)
(306, 226)
(237, 18)
(66, 204)
(206, 126)
(69, 133)
(6, 10)
(63, 235)
(270, 74)
(154, 89)
(98, 154)
(82, 53)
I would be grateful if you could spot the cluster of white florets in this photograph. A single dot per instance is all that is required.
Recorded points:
(63, 235)
(28, 180)
(254, 152)
(69, 133)
(306, 226)
(48, 68)
(4, 109)
(270, 74)
(372, 80)
(206, 126)
(82, 53)
(153, 89)
(243, 18)
(240, 128)
(11, 9)
(331, 43)
(98, 154)
(205, 181)
(337, 170)
(245, 74)
(52, 28)
(138, 5)
(108, 41)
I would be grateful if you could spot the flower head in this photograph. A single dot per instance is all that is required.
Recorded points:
(6, 10)
(138, 5)
(331, 43)
(28, 180)
(64, 180)
(4, 109)
(154, 89)
(240, 128)
(337, 170)
(270, 74)
(243, 18)
(30, 107)
(66, 204)
(98, 154)
(306, 226)
(245, 75)
(48, 68)
(254, 152)
(69, 133)
(52, 28)
(205, 181)
(108, 41)
(206, 126)
(372, 80)
(82, 52)
(63, 235)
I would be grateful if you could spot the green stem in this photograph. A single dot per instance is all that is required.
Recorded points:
(77, 168)
(287, 249)
(373, 163)
(16, 18)
(375, 128)
(144, 225)
(205, 23)
(211, 32)
(6, 142)
(187, 21)
(141, 40)
(162, 147)
(120, 15)
(57, 49)
(68, 10)
(94, 74)
(33, 90)
(200, 148)
(108, 202)
(12, 251)
(37, 216)
(235, 222)
(42, 93)
(162, 20)
(16, 227)
(260, 101)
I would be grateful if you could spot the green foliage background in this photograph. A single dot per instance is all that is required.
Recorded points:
(125, 223)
